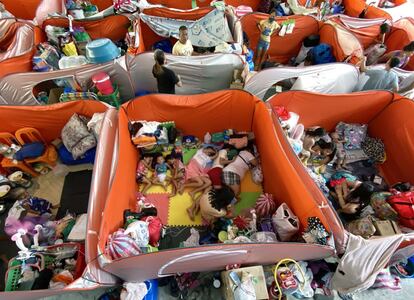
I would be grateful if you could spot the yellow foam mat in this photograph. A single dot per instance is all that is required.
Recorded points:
(157, 189)
(248, 186)
(177, 213)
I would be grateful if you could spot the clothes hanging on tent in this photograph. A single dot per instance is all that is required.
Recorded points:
(208, 31)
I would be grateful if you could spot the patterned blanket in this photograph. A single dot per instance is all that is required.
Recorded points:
(209, 31)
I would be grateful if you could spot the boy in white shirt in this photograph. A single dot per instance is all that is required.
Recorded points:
(183, 46)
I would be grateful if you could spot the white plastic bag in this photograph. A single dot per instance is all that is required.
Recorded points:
(245, 291)
(285, 223)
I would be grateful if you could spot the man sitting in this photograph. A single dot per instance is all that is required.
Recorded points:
(183, 46)
(381, 79)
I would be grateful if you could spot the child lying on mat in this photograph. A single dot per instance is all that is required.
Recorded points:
(234, 172)
(196, 171)
(213, 204)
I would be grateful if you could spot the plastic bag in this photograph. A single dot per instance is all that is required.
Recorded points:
(245, 288)
(138, 230)
(285, 223)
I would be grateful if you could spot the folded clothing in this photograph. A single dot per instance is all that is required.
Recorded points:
(30, 150)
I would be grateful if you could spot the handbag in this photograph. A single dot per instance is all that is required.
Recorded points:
(285, 223)
(403, 203)
(375, 149)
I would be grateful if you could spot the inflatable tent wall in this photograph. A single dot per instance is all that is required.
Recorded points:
(18, 45)
(30, 9)
(188, 4)
(333, 78)
(354, 8)
(49, 120)
(199, 74)
(18, 89)
(111, 27)
(388, 115)
(197, 115)
(148, 37)
(282, 49)
(349, 37)
(401, 35)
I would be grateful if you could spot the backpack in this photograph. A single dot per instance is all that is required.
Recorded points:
(164, 45)
(322, 54)
(403, 203)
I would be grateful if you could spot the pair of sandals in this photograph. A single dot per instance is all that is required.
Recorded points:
(4, 190)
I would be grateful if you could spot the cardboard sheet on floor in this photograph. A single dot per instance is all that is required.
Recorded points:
(50, 185)
(75, 193)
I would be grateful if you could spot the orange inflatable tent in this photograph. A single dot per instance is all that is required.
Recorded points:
(148, 37)
(354, 8)
(196, 115)
(28, 9)
(388, 115)
(282, 49)
(111, 27)
(20, 63)
(188, 4)
(349, 37)
(49, 120)
(401, 35)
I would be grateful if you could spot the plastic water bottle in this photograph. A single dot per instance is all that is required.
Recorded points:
(207, 138)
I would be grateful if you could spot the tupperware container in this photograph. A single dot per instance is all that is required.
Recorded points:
(67, 62)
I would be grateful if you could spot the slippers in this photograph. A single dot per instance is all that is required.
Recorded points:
(2, 207)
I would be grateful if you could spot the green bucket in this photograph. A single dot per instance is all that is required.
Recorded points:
(113, 99)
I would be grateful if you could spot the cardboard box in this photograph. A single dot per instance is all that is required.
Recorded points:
(259, 282)
(386, 228)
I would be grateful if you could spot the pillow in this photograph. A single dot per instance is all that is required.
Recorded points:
(353, 134)
(76, 137)
(83, 146)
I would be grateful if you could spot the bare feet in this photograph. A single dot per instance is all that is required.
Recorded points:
(190, 213)
(192, 195)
